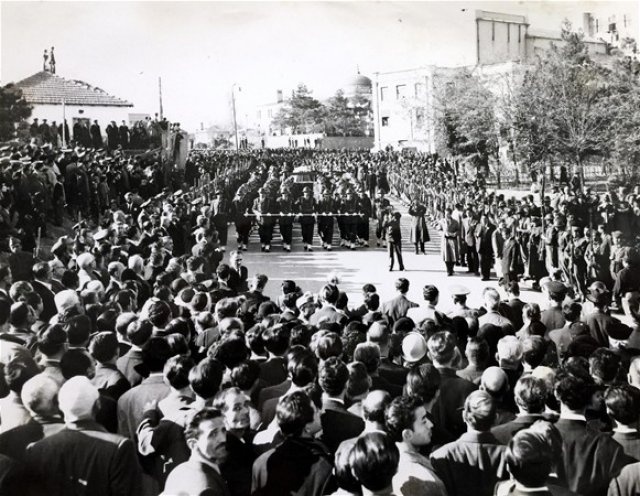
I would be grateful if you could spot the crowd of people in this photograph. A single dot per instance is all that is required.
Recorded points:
(142, 357)
(142, 135)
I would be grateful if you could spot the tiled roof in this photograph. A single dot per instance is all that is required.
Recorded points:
(44, 87)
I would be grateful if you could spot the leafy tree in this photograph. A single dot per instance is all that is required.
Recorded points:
(347, 116)
(301, 113)
(13, 109)
(467, 121)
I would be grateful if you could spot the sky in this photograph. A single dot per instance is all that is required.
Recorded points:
(201, 49)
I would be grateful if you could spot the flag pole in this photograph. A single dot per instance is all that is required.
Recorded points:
(235, 121)
(160, 94)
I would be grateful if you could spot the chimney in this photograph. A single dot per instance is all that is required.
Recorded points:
(279, 98)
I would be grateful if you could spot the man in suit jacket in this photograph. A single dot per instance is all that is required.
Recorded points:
(83, 458)
(206, 437)
(138, 333)
(43, 285)
(590, 458)
(530, 461)
(329, 295)
(530, 397)
(155, 353)
(398, 307)
(302, 367)
(276, 341)
(473, 464)
(379, 334)
(338, 424)
(453, 389)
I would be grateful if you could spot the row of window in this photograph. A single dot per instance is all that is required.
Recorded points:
(269, 114)
(402, 91)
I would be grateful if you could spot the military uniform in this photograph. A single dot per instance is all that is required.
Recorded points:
(350, 209)
(221, 209)
(243, 223)
(286, 206)
(306, 208)
(325, 222)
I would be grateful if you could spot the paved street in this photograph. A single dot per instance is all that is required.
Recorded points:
(310, 270)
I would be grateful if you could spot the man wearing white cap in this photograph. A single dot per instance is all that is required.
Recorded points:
(83, 458)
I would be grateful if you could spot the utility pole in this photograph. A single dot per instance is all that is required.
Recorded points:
(235, 121)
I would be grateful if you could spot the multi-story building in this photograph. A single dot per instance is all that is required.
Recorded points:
(404, 101)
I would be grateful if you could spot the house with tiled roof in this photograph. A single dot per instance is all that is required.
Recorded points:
(51, 95)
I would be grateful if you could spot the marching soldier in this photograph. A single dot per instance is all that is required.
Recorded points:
(350, 209)
(286, 208)
(221, 208)
(243, 223)
(366, 210)
(306, 209)
(383, 207)
(449, 248)
(326, 205)
(264, 205)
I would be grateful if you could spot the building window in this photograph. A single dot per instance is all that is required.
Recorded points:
(519, 33)
(508, 33)
(385, 122)
(419, 90)
(383, 93)
(401, 91)
(493, 31)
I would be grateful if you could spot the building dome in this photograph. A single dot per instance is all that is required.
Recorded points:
(358, 85)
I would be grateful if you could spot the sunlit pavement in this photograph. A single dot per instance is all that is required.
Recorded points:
(311, 270)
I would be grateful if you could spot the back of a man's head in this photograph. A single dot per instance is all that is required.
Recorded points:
(333, 376)
(529, 459)
(623, 404)
(530, 394)
(329, 294)
(40, 396)
(375, 460)
(369, 355)
(402, 285)
(573, 392)
(378, 333)
(509, 350)
(302, 366)
(78, 330)
(479, 411)
(477, 351)
(155, 353)
(374, 405)
(294, 411)
(442, 348)
(494, 381)
(491, 299)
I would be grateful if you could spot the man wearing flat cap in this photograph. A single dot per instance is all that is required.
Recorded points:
(83, 458)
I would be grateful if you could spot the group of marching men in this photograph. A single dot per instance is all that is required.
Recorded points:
(341, 201)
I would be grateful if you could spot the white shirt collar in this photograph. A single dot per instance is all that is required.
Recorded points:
(572, 416)
(525, 489)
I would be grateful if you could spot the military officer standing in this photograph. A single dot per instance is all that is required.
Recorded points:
(306, 209)
(326, 205)
(285, 207)
(221, 207)
(350, 210)
(261, 206)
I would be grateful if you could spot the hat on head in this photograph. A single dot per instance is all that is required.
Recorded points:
(76, 399)
(414, 347)
(598, 293)
(555, 288)
(306, 189)
(618, 331)
(101, 234)
(459, 290)
(66, 299)
(84, 260)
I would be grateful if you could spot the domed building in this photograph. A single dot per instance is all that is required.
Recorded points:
(358, 85)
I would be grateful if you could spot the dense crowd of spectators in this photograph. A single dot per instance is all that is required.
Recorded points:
(141, 360)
